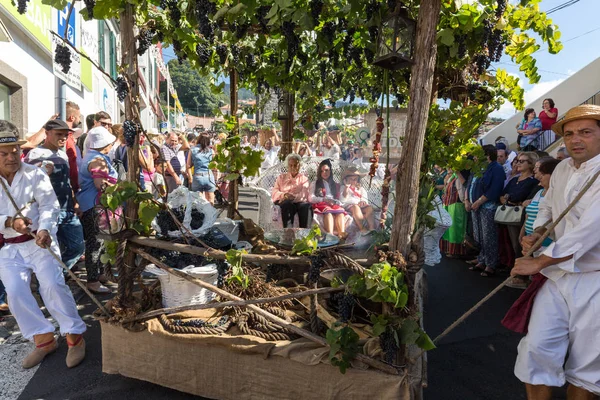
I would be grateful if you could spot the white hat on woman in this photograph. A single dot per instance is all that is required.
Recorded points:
(99, 137)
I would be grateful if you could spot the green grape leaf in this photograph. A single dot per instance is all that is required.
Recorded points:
(425, 342)
(409, 331)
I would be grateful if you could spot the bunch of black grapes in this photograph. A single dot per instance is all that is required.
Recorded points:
(316, 263)
(197, 219)
(22, 6)
(89, 5)
(144, 41)
(122, 88)
(62, 56)
(204, 53)
(222, 53)
(130, 130)
(344, 303)
(165, 221)
(388, 344)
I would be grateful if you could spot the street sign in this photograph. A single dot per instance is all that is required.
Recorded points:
(73, 78)
(69, 26)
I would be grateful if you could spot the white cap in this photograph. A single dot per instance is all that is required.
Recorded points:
(99, 137)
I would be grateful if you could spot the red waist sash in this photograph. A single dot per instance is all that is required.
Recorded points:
(517, 317)
(14, 240)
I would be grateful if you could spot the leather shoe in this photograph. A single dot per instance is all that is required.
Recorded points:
(44, 344)
(76, 352)
(97, 288)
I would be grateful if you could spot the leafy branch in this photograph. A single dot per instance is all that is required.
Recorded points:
(309, 244)
(234, 258)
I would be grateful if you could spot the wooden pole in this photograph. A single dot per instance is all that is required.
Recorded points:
(407, 179)
(233, 97)
(130, 62)
(273, 318)
(287, 126)
(241, 303)
(217, 254)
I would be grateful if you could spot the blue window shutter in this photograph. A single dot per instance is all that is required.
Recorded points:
(113, 56)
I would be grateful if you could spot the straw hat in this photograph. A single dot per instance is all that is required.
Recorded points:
(352, 171)
(585, 111)
(9, 139)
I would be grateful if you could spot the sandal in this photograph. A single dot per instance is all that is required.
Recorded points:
(478, 267)
(487, 272)
(472, 262)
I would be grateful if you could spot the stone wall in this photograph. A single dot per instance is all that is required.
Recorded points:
(264, 116)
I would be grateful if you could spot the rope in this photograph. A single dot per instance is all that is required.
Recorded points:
(54, 255)
(260, 329)
(192, 330)
(334, 259)
(549, 226)
(119, 260)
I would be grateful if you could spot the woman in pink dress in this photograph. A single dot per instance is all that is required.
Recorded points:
(548, 116)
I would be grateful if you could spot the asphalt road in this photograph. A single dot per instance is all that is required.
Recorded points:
(474, 362)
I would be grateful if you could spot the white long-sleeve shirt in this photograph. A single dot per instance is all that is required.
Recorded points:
(328, 193)
(353, 196)
(270, 157)
(30, 182)
(333, 152)
(577, 233)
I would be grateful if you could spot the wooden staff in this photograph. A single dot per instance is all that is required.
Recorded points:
(281, 322)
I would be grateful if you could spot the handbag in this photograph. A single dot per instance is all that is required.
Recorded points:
(508, 215)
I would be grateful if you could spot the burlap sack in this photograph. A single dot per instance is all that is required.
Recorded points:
(238, 366)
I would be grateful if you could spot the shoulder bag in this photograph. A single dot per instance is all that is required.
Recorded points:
(508, 215)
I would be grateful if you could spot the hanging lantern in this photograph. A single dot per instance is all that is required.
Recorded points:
(284, 105)
(395, 41)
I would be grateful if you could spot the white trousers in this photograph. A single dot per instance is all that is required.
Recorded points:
(15, 273)
(565, 320)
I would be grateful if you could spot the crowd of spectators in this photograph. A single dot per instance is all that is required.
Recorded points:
(84, 157)
(481, 207)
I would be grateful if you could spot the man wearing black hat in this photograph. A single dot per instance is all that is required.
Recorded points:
(55, 162)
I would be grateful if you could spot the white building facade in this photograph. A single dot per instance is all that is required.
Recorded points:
(31, 92)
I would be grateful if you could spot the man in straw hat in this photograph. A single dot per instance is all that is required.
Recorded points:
(24, 254)
(565, 318)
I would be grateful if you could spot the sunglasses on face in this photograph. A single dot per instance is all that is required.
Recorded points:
(522, 161)
(106, 124)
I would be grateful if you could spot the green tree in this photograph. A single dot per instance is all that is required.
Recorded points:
(193, 89)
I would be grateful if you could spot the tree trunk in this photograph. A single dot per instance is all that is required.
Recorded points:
(407, 179)
(130, 60)
(233, 97)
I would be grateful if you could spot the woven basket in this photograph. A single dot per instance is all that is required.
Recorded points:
(179, 292)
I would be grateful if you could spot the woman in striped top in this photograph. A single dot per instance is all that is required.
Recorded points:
(543, 171)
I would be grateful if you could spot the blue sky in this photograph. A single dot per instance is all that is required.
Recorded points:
(579, 25)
